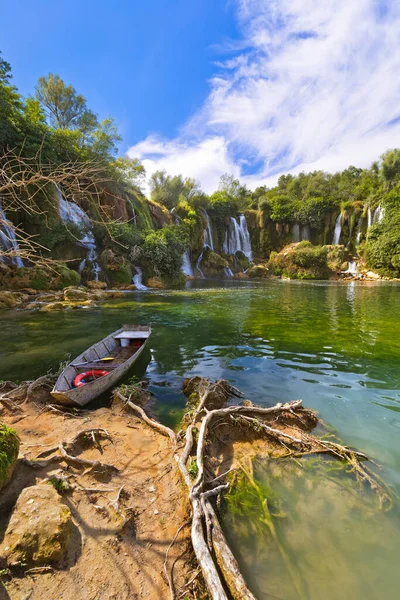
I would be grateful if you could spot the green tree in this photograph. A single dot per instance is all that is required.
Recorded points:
(64, 108)
(170, 190)
(390, 168)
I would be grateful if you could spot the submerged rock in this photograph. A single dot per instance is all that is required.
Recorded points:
(9, 448)
(39, 529)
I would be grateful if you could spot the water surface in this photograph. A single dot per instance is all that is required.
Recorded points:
(335, 345)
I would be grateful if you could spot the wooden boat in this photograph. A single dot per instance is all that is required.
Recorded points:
(120, 349)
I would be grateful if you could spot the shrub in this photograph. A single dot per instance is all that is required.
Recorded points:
(162, 251)
(301, 261)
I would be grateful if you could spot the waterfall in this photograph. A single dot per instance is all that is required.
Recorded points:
(137, 279)
(245, 236)
(208, 238)
(305, 233)
(176, 218)
(228, 272)
(358, 237)
(296, 232)
(237, 238)
(338, 230)
(198, 262)
(72, 213)
(352, 269)
(369, 217)
(378, 215)
(186, 266)
(8, 242)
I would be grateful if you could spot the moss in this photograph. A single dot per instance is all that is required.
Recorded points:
(301, 261)
(9, 448)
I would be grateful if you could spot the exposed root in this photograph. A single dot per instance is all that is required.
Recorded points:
(286, 426)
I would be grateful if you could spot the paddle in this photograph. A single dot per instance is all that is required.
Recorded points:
(94, 361)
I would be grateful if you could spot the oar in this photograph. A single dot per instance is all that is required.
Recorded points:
(93, 361)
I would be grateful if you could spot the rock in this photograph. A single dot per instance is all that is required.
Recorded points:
(39, 529)
(372, 275)
(12, 299)
(53, 306)
(99, 294)
(155, 283)
(9, 448)
(56, 297)
(96, 285)
(258, 271)
(75, 295)
(115, 294)
(32, 306)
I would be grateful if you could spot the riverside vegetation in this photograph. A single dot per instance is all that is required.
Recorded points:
(72, 212)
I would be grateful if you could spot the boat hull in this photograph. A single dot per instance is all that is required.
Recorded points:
(81, 396)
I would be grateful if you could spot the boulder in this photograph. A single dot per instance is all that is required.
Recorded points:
(75, 294)
(96, 285)
(9, 448)
(53, 306)
(11, 299)
(155, 283)
(257, 271)
(39, 529)
(57, 296)
(372, 275)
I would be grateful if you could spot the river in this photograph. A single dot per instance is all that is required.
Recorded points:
(335, 345)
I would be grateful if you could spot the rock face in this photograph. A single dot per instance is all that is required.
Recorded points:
(9, 448)
(39, 530)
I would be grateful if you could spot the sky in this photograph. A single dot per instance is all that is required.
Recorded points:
(255, 88)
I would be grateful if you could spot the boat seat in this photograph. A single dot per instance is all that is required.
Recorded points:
(98, 366)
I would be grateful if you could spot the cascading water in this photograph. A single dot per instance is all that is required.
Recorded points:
(352, 268)
(208, 238)
(208, 242)
(72, 213)
(186, 266)
(137, 279)
(369, 218)
(228, 272)
(378, 215)
(8, 242)
(358, 237)
(305, 233)
(338, 230)
(245, 237)
(237, 238)
(296, 232)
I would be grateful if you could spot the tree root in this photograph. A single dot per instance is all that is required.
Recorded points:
(87, 436)
(219, 567)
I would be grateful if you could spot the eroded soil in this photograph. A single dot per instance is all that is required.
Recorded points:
(105, 561)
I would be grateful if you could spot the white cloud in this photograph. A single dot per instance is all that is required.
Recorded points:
(313, 85)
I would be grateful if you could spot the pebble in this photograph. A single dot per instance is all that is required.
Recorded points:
(156, 512)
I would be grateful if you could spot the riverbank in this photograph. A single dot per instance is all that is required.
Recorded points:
(106, 557)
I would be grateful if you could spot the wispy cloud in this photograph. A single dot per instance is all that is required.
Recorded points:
(313, 85)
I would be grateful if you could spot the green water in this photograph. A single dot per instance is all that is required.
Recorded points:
(335, 345)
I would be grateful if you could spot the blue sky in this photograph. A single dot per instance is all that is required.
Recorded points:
(203, 87)
(146, 63)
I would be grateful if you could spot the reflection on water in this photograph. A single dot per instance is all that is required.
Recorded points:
(337, 346)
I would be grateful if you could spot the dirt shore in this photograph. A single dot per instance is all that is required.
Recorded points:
(105, 560)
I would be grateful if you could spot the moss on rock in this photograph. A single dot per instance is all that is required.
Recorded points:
(9, 448)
